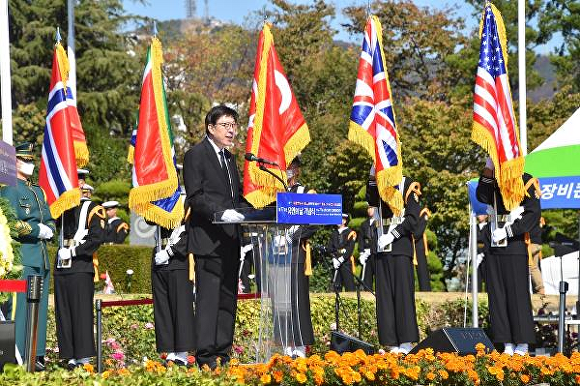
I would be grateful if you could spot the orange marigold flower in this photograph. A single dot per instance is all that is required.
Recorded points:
(524, 378)
(88, 367)
(301, 377)
(370, 375)
(266, 379)
(278, 375)
(430, 375)
(123, 371)
(444, 374)
(318, 379)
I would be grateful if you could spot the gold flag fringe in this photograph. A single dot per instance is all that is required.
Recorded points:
(296, 143)
(386, 181)
(81, 153)
(67, 200)
(357, 134)
(155, 214)
(63, 65)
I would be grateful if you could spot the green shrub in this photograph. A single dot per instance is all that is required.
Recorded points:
(117, 259)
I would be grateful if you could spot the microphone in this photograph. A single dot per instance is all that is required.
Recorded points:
(250, 157)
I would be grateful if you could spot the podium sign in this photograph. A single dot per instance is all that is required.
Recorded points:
(7, 164)
(304, 208)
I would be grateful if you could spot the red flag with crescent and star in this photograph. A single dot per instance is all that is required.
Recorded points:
(276, 129)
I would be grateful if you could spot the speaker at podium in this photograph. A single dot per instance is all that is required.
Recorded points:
(453, 339)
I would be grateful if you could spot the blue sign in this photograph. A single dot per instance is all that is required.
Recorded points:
(304, 208)
(7, 164)
(557, 193)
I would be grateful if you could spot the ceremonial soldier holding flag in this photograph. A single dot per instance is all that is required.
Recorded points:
(512, 195)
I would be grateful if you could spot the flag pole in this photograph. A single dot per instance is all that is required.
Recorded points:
(71, 24)
(5, 83)
(522, 74)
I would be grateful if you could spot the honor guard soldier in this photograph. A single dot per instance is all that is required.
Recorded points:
(172, 290)
(367, 248)
(82, 177)
(301, 270)
(341, 247)
(116, 229)
(422, 251)
(83, 232)
(34, 228)
(507, 269)
(396, 313)
(86, 192)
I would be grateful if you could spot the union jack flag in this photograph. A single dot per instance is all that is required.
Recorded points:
(372, 120)
(494, 124)
(58, 167)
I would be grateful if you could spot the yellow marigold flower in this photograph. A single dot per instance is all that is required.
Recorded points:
(524, 378)
(266, 379)
(106, 374)
(444, 374)
(370, 375)
(301, 377)
(356, 377)
(500, 376)
(123, 371)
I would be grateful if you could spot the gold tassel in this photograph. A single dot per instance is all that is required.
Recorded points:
(528, 241)
(81, 153)
(426, 244)
(96, 265)
(191, 262)
(415, 262)
(308, 260)
(352, 264)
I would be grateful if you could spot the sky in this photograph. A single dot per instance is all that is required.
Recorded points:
(237, 10)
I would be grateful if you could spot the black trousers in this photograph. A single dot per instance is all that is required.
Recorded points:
(215, 305)
(510, 305)
(73, 302)
(396, 314)
(422, 268)
(370, 270)
(343, 277)
(303, 333)
(173, 310)
(246, 271)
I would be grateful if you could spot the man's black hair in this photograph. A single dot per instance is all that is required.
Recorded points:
(217, 112)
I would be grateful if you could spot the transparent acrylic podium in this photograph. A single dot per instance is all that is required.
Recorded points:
(276, 250)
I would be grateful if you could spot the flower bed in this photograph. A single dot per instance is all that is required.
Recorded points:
(424, 368)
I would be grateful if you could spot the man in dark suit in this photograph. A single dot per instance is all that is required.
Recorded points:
(213, 186)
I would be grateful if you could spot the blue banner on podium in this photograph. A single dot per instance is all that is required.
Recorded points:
(304, 208)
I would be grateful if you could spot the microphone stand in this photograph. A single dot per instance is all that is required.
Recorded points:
(263, 168)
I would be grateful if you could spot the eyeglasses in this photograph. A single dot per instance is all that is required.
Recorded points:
(227, 125)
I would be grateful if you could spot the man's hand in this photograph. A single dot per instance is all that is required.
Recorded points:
(44, 232)
(499, 234)
(162, 257)
(64, 253)
(231, 215)
(364, 256)
(385, 240)
(336, 263)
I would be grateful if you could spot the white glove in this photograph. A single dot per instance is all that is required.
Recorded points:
(336, 263)
(499, 234)
(231, 215)
(364, 256)
(64, 253)
(385, 240)
(489, 164)
(162, 257)
(247, 248)
(44, 232)
(479, 259)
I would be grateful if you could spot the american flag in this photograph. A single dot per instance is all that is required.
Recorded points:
(494, 125)
(58, 167)
(372, 118)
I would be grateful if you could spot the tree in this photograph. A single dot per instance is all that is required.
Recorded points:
(416, 42)
(107, 74)
(561, 16)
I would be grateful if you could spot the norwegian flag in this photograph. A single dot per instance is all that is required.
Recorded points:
(494, 124)
(58, 167)
(372, 120)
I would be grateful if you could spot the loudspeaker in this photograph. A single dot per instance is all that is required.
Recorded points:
(342, 343)
(459, 340)
(7, 342)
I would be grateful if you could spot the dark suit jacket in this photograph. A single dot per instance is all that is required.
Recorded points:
(208, 193)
